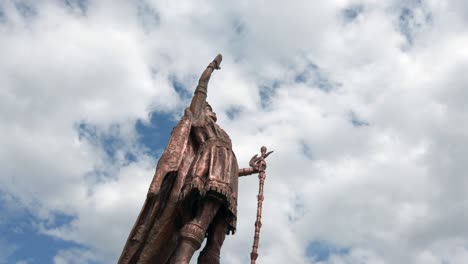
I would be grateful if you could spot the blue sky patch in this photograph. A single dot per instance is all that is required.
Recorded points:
(312, 75)
(352, 12)
(110, 142)
(154, 136)
(26, 9)
(148, 16)
(233, 112)
(2, 15)
(19, 229)
(58, 219)
(320, 250)
(77, 5)
(183, 93)
(356, 121)
(405, 24)
(267, 91)
(409, 24)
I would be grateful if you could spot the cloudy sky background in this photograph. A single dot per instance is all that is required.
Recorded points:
(363, 102)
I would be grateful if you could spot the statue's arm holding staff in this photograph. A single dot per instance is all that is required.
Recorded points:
(256, 164)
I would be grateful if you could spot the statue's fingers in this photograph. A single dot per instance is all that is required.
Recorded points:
(218, 60)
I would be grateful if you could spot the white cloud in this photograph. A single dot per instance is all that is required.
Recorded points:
(390, 191)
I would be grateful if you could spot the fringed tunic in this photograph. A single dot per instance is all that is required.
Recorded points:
(214, 170)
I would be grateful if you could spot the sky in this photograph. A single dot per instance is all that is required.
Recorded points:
(362, 101)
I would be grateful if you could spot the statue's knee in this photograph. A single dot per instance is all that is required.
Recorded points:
(193, 233)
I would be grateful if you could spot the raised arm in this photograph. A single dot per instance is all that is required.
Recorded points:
(199, 96)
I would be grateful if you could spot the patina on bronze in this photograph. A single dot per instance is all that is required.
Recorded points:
(193, 193)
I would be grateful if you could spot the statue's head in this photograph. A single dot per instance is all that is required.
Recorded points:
(209, 111)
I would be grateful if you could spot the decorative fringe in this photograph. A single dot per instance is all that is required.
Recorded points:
(221, 190)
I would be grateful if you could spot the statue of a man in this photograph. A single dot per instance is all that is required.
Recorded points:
(193, 194)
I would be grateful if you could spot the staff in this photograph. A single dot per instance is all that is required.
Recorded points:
(260, 163)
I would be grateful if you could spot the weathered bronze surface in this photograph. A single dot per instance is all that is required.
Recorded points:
(193, 193)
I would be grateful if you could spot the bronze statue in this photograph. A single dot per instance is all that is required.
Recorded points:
(193, 193)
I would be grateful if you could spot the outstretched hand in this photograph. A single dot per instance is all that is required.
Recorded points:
(217, 62)
(258, 163)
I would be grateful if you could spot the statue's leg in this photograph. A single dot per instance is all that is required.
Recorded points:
(193, 233)
(216, 234)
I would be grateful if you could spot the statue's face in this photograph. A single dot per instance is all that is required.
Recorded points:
(209, 112)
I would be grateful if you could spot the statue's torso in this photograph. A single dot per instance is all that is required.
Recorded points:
(210, 131)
